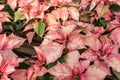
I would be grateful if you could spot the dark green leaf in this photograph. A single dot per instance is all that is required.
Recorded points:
(47, 76)
(9, 10)
(7, 26)
(23, 65)
(18, 26)
(82, 50)
(100, 22)
(51, 65)
(103, 22)
(62, 58)
(87, 8)
(114, 7)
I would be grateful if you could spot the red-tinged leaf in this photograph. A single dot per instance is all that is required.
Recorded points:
(3, 40)
(51, 51)
(19, 75)
(8, 69)
(14, 41)
(61, 71)
(28, 27)
(39, 53)
(8, 63)
(34, 71)
(83, 77)
(81, 66)
(9, 56)
(10, 42)
(31, 75)
(72, 58)
(74, 13)
(30, 35)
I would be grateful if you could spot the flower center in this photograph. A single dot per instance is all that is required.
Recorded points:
(76, 77)
(102, 53)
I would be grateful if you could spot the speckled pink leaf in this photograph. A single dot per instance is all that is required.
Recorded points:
(74, 13)
(51, 51)
(61, 71)
(72, 58)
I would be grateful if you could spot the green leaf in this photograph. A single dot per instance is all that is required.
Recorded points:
(51, 65)
(114, 74)
(114, 7)
(39, 28)
(18, 15)
(82, 50)
(7, 26)
(9, 10)
(62, 58)
(47, 76)
(23, 65)
(19, 25)
(87, 8)
(101, 22)
(86, 15)
(117, 74)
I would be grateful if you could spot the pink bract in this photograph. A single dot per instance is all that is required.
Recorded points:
(59, 39)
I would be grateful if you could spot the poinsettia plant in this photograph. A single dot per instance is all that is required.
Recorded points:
(59, 39)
